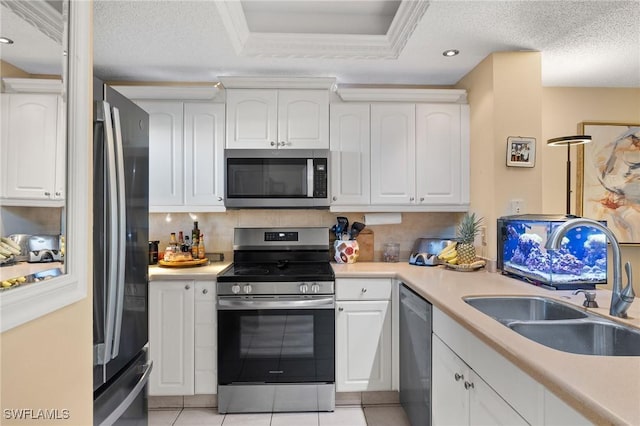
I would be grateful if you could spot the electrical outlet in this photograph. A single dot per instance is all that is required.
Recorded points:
(517, 206)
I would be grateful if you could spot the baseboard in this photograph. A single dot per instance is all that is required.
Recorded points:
(368, 398)
(186, 401)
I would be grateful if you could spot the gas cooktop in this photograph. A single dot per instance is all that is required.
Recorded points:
(283, 271)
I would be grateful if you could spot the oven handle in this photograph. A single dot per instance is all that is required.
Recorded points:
(228, 304)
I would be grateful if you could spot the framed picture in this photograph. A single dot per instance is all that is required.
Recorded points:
(521, 152)
(608, 181)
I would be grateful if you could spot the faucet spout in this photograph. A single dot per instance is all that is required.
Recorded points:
(621, 298)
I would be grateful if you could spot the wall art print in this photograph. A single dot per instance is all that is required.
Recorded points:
(608, 184)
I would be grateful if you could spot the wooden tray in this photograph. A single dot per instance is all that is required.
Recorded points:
(183, 264)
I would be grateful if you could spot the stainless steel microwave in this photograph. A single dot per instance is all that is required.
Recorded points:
(276, 178)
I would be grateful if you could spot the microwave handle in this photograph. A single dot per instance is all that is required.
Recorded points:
(310, 172)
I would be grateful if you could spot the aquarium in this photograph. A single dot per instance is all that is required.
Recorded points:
(580, 262)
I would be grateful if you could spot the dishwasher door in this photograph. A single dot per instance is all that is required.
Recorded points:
(415, 356)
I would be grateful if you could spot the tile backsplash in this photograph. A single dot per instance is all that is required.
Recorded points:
(218, 227)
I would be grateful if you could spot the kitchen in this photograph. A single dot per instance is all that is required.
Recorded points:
(521, 105)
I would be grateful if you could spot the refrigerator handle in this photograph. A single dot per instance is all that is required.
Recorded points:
(126, 402)
(122, 231)
(104, 355)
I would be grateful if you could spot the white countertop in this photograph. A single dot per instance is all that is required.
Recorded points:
(606, 390)
(162, 273)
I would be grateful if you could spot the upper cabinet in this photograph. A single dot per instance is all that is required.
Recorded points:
(277, 119)
(186, 149)
(397, 156)
(33, 146)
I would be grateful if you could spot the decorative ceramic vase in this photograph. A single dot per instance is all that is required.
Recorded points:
(347, 251)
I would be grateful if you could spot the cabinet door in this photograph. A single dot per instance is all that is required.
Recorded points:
(29, 145)
(393, 163)
(350, 154)
(303, 119)
(486, 407)
(450, 401)
(206, 379)
(252, 118)
(204, 152)
(171, 337)
(166, 153)
(363, 346)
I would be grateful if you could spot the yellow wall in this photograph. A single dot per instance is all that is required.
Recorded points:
(505, 98)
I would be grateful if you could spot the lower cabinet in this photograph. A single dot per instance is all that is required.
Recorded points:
(461, 397)
(182, 337)
(363, 335)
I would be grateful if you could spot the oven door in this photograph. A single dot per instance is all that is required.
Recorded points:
(276, 340)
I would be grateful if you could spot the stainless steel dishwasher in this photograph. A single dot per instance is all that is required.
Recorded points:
(415, 356)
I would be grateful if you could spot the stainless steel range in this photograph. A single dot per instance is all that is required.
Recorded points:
(276, 322)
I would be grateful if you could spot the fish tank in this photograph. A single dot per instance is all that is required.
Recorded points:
(579, 263)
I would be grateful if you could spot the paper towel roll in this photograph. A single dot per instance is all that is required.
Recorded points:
(382, 218)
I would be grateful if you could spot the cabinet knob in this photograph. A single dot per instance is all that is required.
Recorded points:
(411, 198)
(364, 289)
(458, 377)
(341, 309)
(187, 287)
(219, 198)
(272, 143)
(421, 199)
(205, 291)
(468, 385)
(47, 193)
(282, 143)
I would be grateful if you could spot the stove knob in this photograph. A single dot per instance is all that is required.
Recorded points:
(247, 288)
(304, 288)
(315, 288)
(235, 289)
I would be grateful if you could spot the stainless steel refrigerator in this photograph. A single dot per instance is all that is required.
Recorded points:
(120, 258)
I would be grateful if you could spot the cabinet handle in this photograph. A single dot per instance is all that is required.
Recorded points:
(341, 309)
(468, 385)
(458, 377)
(187, 287)
(205, 291)
(364, 289)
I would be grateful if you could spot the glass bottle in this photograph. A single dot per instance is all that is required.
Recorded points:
(201, 247)
(195, 234)
(173, 242)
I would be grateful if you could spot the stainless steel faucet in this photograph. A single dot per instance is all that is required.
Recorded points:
(621, 298)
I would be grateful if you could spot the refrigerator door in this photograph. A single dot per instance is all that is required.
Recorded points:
(120, 233)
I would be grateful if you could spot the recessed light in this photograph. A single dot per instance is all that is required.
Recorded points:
(5, 40)
(450, 52)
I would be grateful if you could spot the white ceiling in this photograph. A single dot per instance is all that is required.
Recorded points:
(583, 43)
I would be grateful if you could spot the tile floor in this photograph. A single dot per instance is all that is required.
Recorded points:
(379, 415)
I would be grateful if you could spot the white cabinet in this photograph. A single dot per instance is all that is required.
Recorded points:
(277, 119)
(442, 154)
(363, 335)
(393, 151)
(33, 150)
(350, 154)
(182, 337)
(461, 397)
(186, 156)
(418, 157)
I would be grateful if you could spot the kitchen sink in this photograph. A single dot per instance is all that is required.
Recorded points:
(559, 325)
(587, 337)
(524, 308)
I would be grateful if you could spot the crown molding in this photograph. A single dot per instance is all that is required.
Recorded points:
(32, 85)
(158, 92)
(328, 83)
(334, 46)
(349, 94)
(40, 15)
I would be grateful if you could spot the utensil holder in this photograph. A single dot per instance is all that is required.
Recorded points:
(347, 251)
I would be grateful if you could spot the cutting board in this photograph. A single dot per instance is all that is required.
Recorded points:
(365, 242)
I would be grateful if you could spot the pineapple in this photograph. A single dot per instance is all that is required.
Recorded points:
(467, 231)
